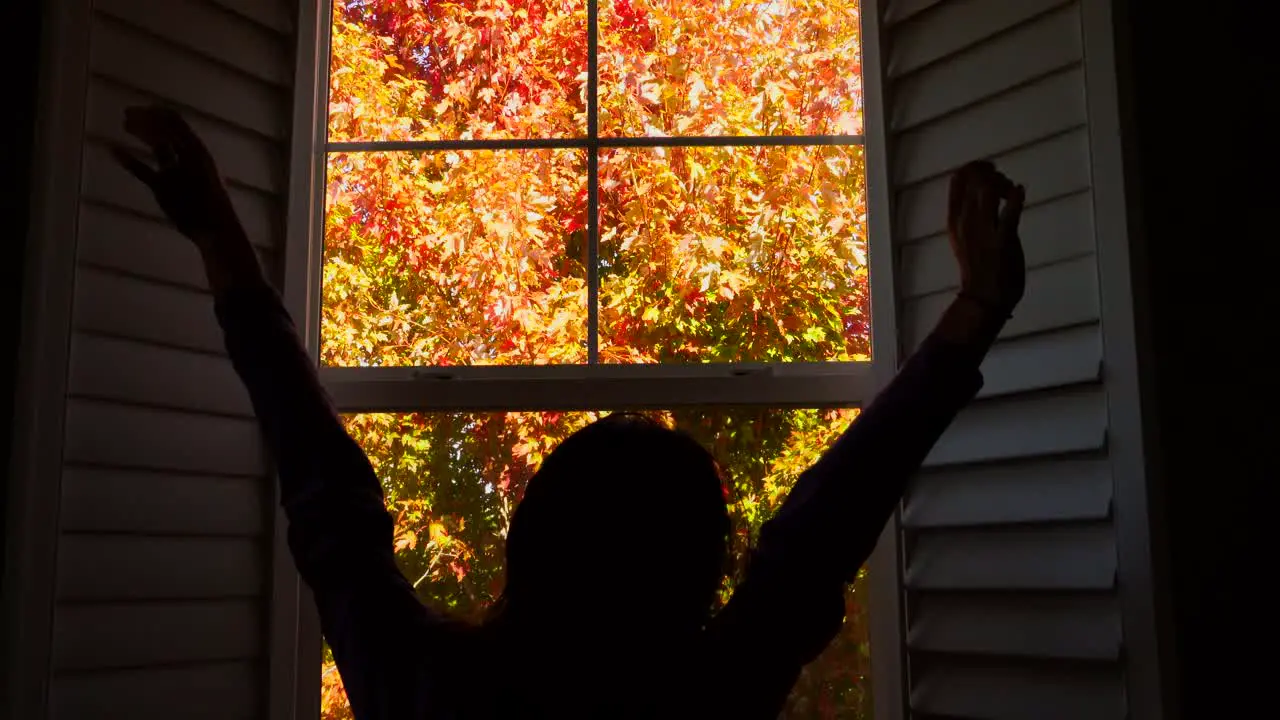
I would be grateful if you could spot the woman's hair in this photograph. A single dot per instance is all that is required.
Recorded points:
(624, 515)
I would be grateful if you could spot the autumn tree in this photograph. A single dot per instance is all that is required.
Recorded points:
(711, 253)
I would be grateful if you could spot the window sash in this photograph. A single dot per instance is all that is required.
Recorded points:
(592, 142)
(593, 387)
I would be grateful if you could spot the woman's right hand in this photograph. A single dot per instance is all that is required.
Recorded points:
(182, 176)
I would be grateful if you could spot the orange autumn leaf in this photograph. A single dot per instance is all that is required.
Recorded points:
(437, 533)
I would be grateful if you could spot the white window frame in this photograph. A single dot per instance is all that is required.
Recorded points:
(295, 634)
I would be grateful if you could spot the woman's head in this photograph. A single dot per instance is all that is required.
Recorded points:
(625, 520)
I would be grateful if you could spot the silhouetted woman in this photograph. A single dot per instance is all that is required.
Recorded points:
(622, 627)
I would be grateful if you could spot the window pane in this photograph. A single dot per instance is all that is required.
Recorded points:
(733, 254)
(452, 480)
(447, 70)
(455, 258)
(730, 67)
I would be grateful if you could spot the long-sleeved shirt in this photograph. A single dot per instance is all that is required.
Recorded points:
(398, 659)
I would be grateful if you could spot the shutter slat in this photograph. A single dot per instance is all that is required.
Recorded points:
(1042, 362)
(128, 307)
(223, 691)
(209, 31)
(138, 60)
(1049, 43)
(107, 183)
(131, 371)
(111, 238)
(129, 635)
(1085, 627)
(162, 503)
(274, 15)
(953, 26)
(1052, 232)
(139, 437)
(1052, 168)
(243, 157)
(1013, 427)
(896, 11)
(1021, 492)
(117, 240)
(1019, 691)
(1022, 558)
(1057, 296)
(1040, 110)
(121, 567)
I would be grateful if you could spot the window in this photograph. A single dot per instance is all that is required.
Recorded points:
(534, 212)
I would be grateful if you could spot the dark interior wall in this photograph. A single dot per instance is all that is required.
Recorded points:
(1201, 138)
(21, 63)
